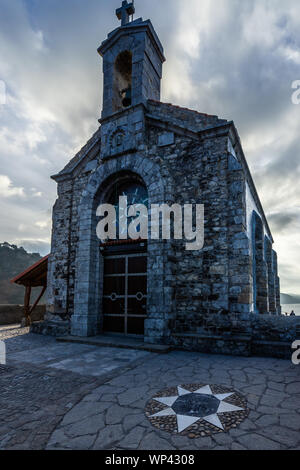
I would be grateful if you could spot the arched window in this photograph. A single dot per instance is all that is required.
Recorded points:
(135, 192)
(271, 276)
(260, 281)
(122, 81)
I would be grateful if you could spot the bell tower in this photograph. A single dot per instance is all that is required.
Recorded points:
(132, 63)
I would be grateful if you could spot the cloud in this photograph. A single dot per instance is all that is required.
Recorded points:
(7, 189)
(43, 224)
(282, 222)
(34, 246)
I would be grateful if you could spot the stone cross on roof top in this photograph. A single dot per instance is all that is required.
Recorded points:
(125, 11)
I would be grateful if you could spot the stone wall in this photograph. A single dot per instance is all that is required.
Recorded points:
(242, 335)
(13, 314)
(61, 264)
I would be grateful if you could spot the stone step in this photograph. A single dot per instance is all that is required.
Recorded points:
(117, 342)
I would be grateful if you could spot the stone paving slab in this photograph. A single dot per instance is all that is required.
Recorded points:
(44, 407)
(85, 360)
(96, 362)
(45, 355)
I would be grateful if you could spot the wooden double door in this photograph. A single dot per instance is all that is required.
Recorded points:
(125, 293)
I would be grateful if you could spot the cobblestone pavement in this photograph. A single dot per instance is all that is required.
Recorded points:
(66, 400)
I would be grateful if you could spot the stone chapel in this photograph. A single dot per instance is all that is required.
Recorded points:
(157, 153)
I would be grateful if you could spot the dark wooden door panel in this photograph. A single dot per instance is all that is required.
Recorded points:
(137, 307)
(135, 326)
(125, 293)
(114, 266)
(137, 284)
(113, 307)
(137, 264)
(114, 324)
(114, 285)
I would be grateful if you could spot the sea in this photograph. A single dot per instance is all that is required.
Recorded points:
(289, 307)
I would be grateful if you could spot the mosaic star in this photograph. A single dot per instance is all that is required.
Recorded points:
(190, 407)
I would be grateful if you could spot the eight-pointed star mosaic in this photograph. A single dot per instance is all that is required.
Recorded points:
(192, 406)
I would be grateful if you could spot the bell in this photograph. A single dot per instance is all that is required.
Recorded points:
(127, 98)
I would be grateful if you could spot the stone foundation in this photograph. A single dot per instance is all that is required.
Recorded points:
(228, 334)
(242, 335)
(231, 345)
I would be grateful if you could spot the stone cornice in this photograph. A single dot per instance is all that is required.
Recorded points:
(123, 112)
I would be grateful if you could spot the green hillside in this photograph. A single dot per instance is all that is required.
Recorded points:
(13, 261)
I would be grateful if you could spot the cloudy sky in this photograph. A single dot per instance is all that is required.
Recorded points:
(234, 58)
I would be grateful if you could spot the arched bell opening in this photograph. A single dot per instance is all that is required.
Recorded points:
(122, 94)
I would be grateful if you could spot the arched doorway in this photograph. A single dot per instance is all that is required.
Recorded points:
(124, 307)
(88, 296)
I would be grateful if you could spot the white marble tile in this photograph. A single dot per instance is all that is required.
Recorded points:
(214, 419)
(184, 422)
(182, 391)
(228, 408)
(169, 401)
(166, 412)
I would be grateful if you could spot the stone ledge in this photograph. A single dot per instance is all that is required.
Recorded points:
(232, 345)
(116, 342)
(227, 345)
(50, 328)
(215, 337)
(277, 349)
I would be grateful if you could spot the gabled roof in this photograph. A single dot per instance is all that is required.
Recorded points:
(80, 156)
(184, 117)
(35, 275)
